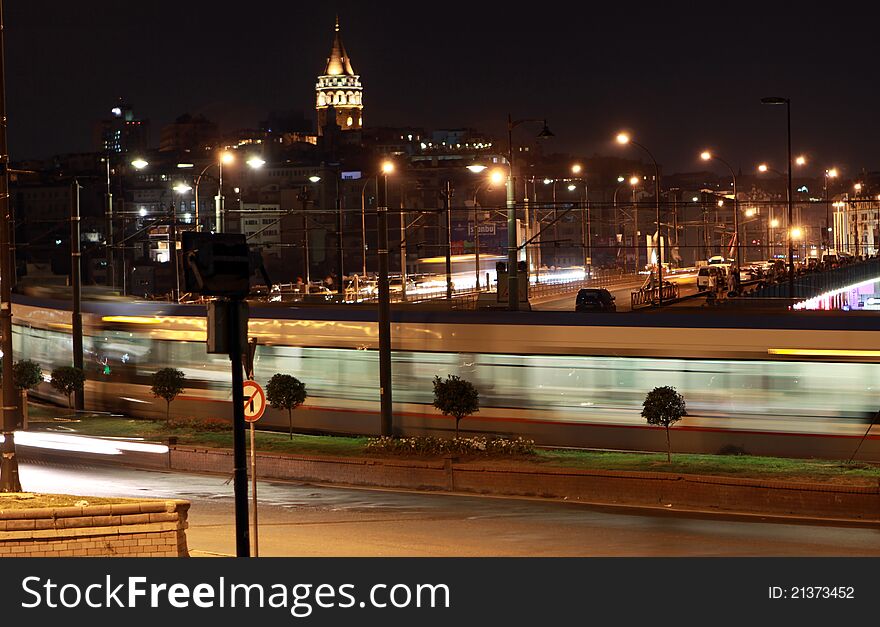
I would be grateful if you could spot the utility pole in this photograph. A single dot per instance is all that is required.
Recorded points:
(111, 270)
(76, 288)
(448, 194)
(9, 481)
(403, 253)
(386, 422)
(340, 284)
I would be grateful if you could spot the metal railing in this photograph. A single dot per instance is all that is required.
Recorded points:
(649, 296)
(813, 283)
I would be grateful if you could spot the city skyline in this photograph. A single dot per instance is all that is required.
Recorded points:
(587, 79)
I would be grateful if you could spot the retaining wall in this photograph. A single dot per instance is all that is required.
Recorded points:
(145, 529)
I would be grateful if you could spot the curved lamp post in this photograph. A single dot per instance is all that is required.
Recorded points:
(512, 243)
(708, 156)
(624, 139)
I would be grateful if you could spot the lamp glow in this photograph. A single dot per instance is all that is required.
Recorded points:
(256, 163)
(498, 176)
(705, 155)
(140, 164)
(576, 168)
(387, 167)
(227, 158)
(182, 188)
(763, 167)
(476, 168)
(634, 180)
(622, 138)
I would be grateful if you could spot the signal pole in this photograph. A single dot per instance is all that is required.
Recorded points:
(9, 481)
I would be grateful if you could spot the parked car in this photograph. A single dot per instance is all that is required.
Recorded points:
(594, 299)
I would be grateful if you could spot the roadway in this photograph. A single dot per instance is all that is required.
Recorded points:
(298, 519)
(687, 285)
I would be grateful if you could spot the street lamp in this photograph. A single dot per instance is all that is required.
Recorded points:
(778, 100)
(830, 173)
(384, 319)
(586, 218)
(140, 163)
(763, 168)
(708, 156)
(624, 139)
(496, 177)
(512, 243)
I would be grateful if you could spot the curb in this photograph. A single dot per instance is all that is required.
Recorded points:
(715, 495)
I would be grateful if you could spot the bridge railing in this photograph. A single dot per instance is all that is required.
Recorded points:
(813, 283)
(649, 296)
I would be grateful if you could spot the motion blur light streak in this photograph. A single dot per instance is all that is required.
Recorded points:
(821, 352)
(83, 444)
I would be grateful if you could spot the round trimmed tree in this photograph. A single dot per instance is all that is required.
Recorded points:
(67, 380)
(664, 407)
(456, 397)
(168, 384)
(27, 374)
(286, 392)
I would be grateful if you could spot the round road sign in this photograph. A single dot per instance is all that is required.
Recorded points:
(254, 401)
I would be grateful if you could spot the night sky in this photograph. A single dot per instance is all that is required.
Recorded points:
(681, 78)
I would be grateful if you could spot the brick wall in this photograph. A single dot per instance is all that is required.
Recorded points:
(143, 529)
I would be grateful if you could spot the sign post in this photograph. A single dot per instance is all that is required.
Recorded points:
(254, 406)
(219, 265)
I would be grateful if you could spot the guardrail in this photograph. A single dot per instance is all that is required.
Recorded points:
(650, 296)
(812, 284)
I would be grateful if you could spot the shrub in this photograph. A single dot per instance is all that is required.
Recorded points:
(27, 374)
(456, 397)
(664, 406)
(167, 384)
(286, 392)
(67, 380)
(429, 445)
(215, 425)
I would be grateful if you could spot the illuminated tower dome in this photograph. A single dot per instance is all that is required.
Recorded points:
(339, 88)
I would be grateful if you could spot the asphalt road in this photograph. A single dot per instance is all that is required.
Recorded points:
(307, 520)
(686, 284)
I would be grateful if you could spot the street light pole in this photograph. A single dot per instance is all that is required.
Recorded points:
(826, 236)
(623, 138)
(448, 195)
(76, 287)
(512, 243)
(776, 100)
(384, 319)
(9, 481)
(111, 271)
(340, 286)
(738, 251)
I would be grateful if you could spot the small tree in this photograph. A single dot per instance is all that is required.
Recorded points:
(27, 374)
(286, 392)
(67, 380)
(456, 397)
(664, 406)
(167, 384)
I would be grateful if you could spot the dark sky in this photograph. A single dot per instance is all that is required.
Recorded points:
(682, 77)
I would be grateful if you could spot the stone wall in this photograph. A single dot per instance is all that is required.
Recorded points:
(143, 529)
